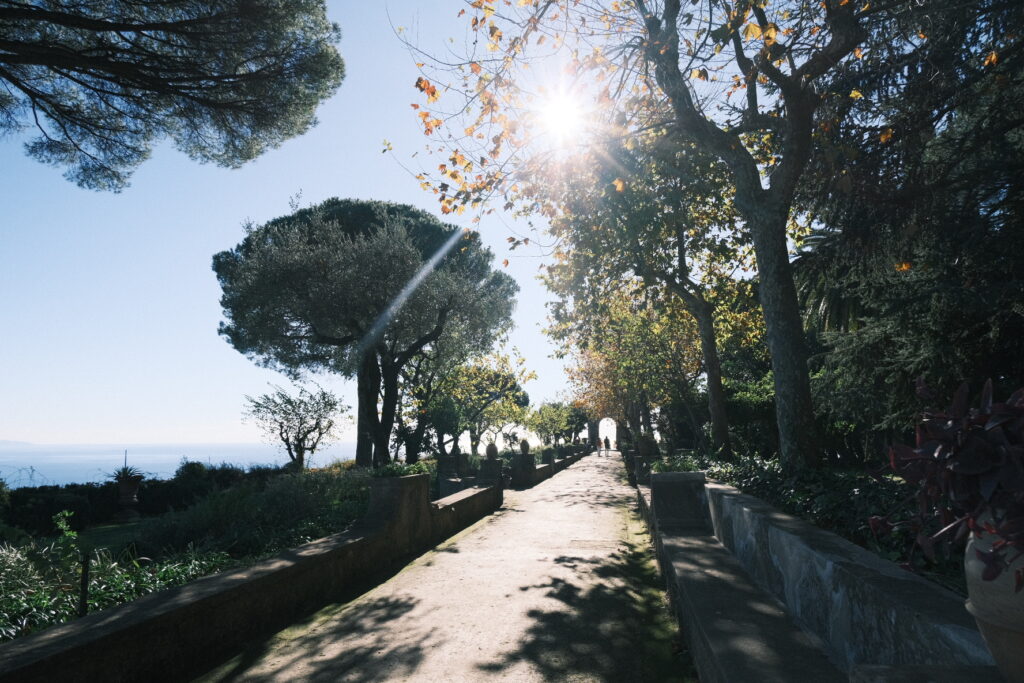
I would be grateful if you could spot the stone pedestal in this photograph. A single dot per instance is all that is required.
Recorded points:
(490, 472)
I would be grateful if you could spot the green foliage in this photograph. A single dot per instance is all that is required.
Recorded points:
(397, 469)
(103, 82)
(39, 581)
(842, 501)
(317, 289)
(251, 519)
(32, 508)
(126, 473)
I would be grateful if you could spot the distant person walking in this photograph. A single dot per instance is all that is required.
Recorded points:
(607, 444)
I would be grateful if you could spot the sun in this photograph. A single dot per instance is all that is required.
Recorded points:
(562, 117)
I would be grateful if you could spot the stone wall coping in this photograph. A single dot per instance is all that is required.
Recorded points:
(869, 566)
(847, 588)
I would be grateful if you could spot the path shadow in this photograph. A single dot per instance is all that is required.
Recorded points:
(340, 643)
(613, 624)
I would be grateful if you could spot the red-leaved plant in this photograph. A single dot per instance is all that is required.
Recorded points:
(968, 465)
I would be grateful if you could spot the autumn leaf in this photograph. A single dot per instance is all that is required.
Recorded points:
(858, 53)
(886, 135)
(387, 147)
(903, 266)
(991, 59)
(751, 31)
(474, 67)
(856, 94)
(620, 184)
(505, 263)
(427, 88)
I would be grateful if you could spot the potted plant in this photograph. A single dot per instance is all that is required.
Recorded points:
(128, 479)
(968, 465)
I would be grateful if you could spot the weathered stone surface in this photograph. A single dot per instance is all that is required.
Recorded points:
(736, 631)
(867, 610)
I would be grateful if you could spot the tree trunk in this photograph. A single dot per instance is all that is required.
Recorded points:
(474, 441)
(785, 335)
(367, 390)
(388, 410)
(440, 444)
(713, 371)
(414, 441)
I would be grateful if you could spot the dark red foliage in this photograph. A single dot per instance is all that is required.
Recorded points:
(968, 464)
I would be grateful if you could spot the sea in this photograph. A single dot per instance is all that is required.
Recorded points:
(24, 464)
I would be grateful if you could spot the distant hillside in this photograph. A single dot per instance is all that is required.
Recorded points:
(10, 445)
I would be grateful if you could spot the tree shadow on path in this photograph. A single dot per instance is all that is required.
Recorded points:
(613, 624)
(340, 643)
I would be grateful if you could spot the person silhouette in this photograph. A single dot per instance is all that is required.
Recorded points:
(607, 444)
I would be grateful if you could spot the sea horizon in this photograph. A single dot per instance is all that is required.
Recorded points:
(32, 464)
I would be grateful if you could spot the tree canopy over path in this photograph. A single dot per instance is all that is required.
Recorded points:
(857, 118)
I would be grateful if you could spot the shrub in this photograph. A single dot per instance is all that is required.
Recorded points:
(398, 469)
(968, 472)
(39, 581)
(838, 500)
(252, 520)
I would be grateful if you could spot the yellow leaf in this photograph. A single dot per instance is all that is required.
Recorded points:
(474, 67)
(903, 266)
(886, 135)
(751, 31)
(858, 53)
(856, 94)
(992, 59)
(620, 184)
(505, 263)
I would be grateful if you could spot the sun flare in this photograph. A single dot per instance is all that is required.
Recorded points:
(562, 117)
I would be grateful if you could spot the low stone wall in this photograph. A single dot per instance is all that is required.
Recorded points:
(764, 596)
(867, 610)
(183, 631)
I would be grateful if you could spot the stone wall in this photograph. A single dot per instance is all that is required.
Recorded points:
(867, 610)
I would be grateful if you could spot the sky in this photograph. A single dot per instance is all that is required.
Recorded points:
(109, 308)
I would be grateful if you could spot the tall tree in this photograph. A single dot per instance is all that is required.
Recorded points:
(744, 82)
(102, 81)
(360, 288)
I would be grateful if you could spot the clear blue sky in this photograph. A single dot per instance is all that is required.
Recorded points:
(108, 305)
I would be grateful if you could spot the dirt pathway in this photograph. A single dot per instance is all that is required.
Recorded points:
(557, 585)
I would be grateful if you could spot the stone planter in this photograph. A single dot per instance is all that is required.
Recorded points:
(128, 490)
(523, 466)
(997, 607)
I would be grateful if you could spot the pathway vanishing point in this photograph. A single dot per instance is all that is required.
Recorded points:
(559, 584)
